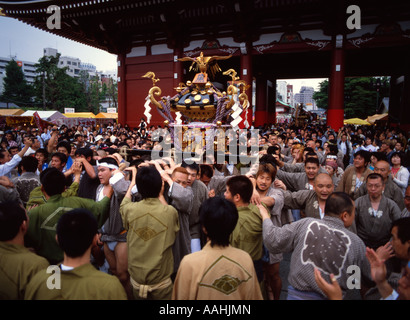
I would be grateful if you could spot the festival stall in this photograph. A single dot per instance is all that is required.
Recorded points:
(106, 118)
(377, 117)
(11, 112)
(50, 116)
(357, 122)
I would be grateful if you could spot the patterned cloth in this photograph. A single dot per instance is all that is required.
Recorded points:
(391, 191)
(181, 199)
(323, 244)
(373, 226)
(26, 183)
(152, 229)
(217, 273)
(41, 233)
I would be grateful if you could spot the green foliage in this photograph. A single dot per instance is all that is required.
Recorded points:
(54, 88)
(16, 89)
(93, 91)
(321, 96)
(361, 96)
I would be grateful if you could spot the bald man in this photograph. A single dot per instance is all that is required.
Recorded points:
(391, 189)
(312, 202)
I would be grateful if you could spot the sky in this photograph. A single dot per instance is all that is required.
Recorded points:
(298, 83)
(27, 44)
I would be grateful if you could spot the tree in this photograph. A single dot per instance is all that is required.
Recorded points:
(55, 88)
(112, 93)
(93, 91)
(361, 96)
(321, 96)
(16, 89)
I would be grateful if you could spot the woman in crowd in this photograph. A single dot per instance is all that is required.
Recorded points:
(399, 173)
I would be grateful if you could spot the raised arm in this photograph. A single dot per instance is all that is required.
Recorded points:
(52, 141)
(27, 144)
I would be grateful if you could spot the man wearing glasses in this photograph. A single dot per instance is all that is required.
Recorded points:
(375, 213)
(391, 189)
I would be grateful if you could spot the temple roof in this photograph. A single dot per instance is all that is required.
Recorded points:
(118, 25)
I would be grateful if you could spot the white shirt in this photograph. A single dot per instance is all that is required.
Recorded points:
(6, 168)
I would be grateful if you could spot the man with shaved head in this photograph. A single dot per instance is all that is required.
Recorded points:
(391, 189)
(312, 202)
(375, 213)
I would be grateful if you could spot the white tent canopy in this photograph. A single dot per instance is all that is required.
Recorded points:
(45, 115)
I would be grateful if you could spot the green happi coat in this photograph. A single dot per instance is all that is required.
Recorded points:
(17, 266)
(152, 229)
(37, 197)
(81, 283)
(247, 234)
(41, 234)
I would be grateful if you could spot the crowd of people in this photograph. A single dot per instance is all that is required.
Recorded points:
(120, 224)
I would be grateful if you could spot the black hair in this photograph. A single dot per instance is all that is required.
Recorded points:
(241, 185)
(61, 156)
(75, 231)
(219, 218)
(272, 149)
(53, 181)
(332, 148)
(206, 170)
(192, 166)
(312, 160)
(42, 151)
(2, 151)
(337, 203)
(29, 163)
(364, 154)
(12, 216)
(110, 151)
(374, 175)
(108, 160)
(403, 229)
(310, 154)
(149, 182)
(64, 144)
(399, 154)
(379, 156)
(268, 158)
(86, 152)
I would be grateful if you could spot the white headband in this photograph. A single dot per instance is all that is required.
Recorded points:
(107, 165)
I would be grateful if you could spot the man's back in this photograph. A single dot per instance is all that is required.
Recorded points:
(247, 234)
(323, 244)
(152, 228)
(26, 183)
(200, 195)
(43, 220)
(81, 283)
(17, 266)
(217, 273)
